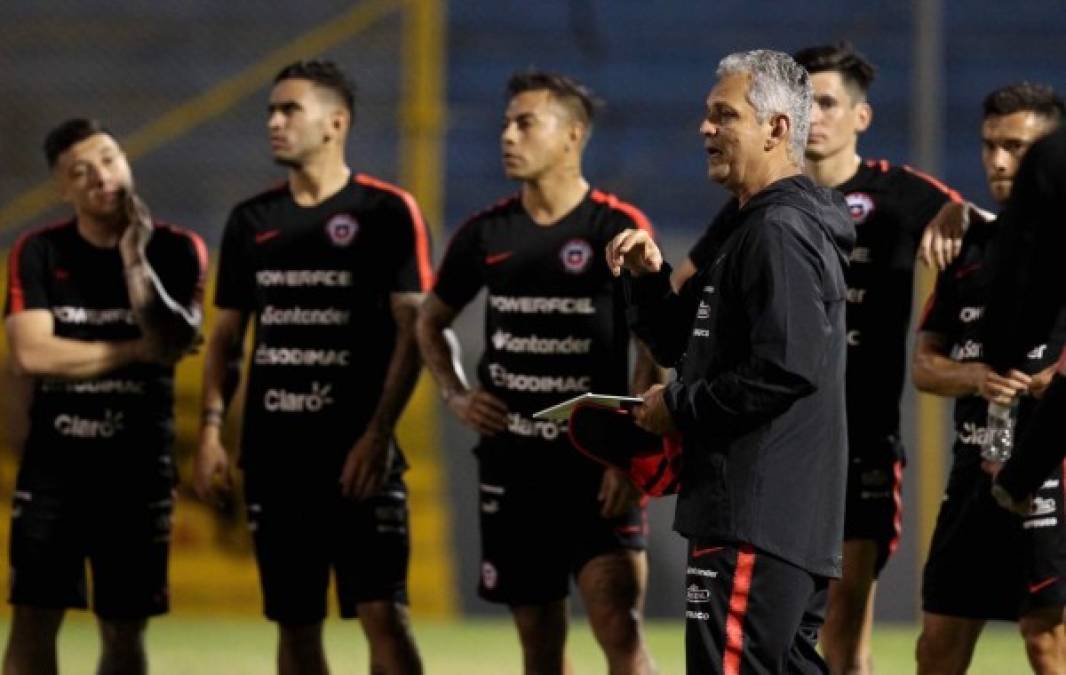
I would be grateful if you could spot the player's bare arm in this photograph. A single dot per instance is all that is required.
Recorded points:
(222, 373)
(935, 372)
(36, 350)
(475, 407)
(942, 238)
(169, 328)
(19, 396)
(368, 461)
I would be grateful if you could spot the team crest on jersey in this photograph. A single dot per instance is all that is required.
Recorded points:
(342, 229)
(860, 205)
(576, 255)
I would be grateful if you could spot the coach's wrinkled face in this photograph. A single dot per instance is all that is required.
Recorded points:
(539, 134)
(1004, 141)
(304, 118)
(733, 137)
(93, 175)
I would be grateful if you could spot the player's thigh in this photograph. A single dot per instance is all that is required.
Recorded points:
(47, 550)
(526, 551)
(128, 553)
(873, 512)
(290, 536)
(371, 549)
(953, 583)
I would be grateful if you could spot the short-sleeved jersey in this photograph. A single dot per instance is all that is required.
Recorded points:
(956, 311)
(554, 318)
(318, 281)
(120, 421)
(890, 206)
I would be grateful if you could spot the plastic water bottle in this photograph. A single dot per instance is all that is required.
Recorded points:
(999, 434)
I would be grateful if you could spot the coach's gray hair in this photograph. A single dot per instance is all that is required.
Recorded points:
(779, 86)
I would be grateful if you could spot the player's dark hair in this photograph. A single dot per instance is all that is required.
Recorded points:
(67, 134)
(325, 74)
(576, 97)
(1033, 97)
(855, 70)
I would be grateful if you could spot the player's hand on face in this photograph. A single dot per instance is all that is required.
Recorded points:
(366, 465)
(212, 480)
(1002, 389)
(653, 415)
(480, 410)
(942, 237)
(617, 493)
(633, 250)
(134, 240)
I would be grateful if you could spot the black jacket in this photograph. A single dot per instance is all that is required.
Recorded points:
(758, 339)
(1028, 300)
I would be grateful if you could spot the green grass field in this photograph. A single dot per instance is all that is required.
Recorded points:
(194, 646)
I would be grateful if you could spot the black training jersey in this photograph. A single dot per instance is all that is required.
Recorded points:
(554, 319)
(122, 420)
(890, 207)
(956, 311)
(318, 281)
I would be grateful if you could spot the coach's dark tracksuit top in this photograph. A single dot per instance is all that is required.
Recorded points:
(758, 339)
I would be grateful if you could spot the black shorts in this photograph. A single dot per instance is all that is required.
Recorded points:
(126, 540)
(987, 563)
(874, 510)
(302, 534)
(749, 612)
(534, 538)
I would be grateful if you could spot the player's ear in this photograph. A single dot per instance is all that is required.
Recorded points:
(864, 115)
(339, 123)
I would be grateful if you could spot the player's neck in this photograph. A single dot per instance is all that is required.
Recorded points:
(834, 170)
(100, 232)
(318, 180)
(548, 198)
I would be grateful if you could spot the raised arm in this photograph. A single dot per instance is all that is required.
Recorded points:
(169, 321)
(656, 313)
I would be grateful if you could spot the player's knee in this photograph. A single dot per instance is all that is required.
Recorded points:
(387, 626)
(617, 628)
(123, 636)
(32, 625)
(300, 638)
(938, 656)
(542, 635)
(1045, 651)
